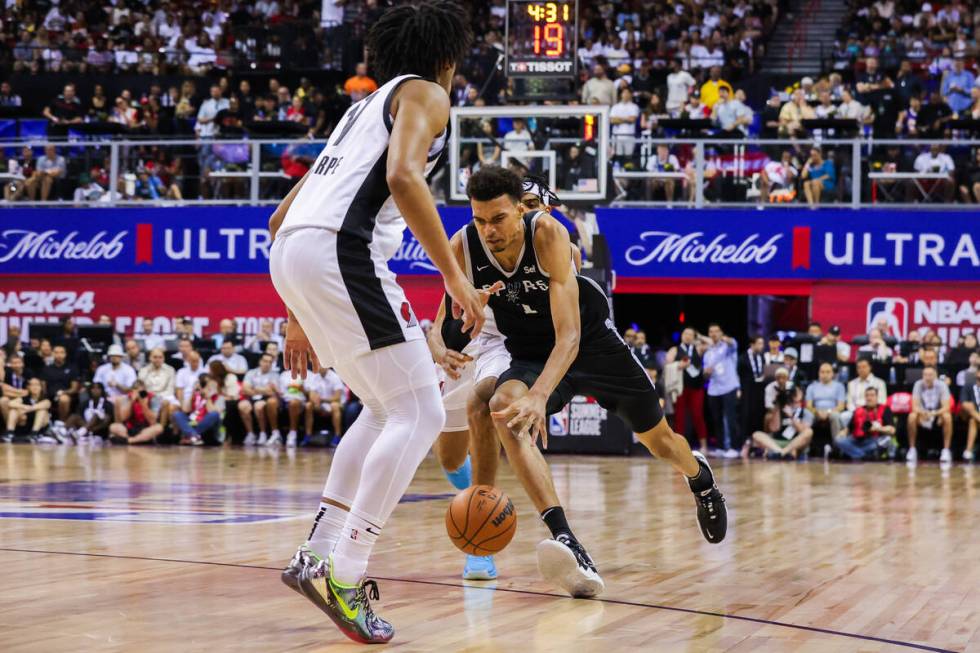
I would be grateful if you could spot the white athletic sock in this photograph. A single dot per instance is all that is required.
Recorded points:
(343, 479)
(327, 525)
(413, 423)
(350, 556)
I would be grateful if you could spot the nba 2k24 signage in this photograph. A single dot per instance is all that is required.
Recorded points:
(583, 426)
(130, 298)
(187, 240)
(952, 310)
(806, 245)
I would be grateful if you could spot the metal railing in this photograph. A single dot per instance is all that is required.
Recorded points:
(181, 171)
(727, 173)
(715, 172)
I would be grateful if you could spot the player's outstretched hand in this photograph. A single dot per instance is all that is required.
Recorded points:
(298, 352)
(452, 362)
(468, 304)
(528, 415)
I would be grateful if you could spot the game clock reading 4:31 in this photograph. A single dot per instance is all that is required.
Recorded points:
(541, 38)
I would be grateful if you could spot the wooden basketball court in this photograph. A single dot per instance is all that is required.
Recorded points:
(164, 550)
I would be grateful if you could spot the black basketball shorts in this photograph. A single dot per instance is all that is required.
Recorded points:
(613, 377)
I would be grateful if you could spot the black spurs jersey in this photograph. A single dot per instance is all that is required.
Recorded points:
(522, 310)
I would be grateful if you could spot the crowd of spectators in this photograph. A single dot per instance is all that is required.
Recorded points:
(159, 37)
(665, 69)
(174, 53)
(870, 399)
(643, 38)
(167, 388)
(930, 35)
(904, 102)
(913, 66)
(900, 105)
(804, 169)
(640, 44)
(162, 172)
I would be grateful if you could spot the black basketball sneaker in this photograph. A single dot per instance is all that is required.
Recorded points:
(712, 513)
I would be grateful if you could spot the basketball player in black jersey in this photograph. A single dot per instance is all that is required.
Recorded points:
(453, 350)
(562, 342)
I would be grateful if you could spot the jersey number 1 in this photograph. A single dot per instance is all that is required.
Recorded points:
(528, 310)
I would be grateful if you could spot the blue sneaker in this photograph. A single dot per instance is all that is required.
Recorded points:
(479, 568)
(461, 477)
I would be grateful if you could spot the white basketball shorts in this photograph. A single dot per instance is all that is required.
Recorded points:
(491, 359)
(349, 305)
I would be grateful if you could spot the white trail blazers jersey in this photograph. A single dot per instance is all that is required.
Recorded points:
(346, 190)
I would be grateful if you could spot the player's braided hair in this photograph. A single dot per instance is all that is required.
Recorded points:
(419, 39)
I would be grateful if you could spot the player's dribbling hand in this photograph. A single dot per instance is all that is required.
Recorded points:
(528, 415)
(453, 362)
(449, 360)
(298, 352)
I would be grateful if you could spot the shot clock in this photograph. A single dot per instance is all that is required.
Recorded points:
(542, 38)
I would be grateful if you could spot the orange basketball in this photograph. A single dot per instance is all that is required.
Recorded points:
(481, 520)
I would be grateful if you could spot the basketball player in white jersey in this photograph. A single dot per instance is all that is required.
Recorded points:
(333, 235)
(469, 363)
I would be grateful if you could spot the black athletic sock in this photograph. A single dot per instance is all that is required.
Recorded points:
(703, 481)
(554, 519)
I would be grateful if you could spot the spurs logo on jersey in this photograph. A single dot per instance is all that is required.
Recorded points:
(514, 289)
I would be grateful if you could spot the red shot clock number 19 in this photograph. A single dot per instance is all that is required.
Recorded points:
(541, 38)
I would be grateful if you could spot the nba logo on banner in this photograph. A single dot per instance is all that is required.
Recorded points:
(558, 423)
(893, 312)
